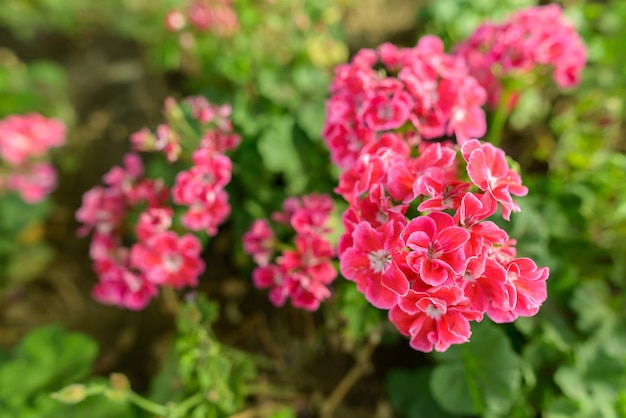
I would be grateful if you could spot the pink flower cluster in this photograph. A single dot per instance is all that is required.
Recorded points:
(134, 247)
(532, 39)
(215, 16)
(417, 238)
(422, 93)
(303, 273)
(24, 143)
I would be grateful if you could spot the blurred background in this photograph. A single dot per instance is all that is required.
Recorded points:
(105, 68)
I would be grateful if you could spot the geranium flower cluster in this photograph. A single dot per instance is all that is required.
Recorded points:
(303, 271)
(138, 244)
(417, 238)
(215, 16)
(537, 39)
(24, 144)
(421, 92)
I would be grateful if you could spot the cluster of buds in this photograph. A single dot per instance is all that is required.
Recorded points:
(301, 272)
(417, 238)
(24, 144)
(138, 243)
(217, 17)
(531, 42)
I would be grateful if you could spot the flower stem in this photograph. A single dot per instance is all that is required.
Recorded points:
(499, 117)
(147, 405)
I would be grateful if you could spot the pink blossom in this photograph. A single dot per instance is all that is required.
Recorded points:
(169, 260)
(372, 263)
(33, 184)
(529, 40)
(153, 221)
(121, 287)
(216, 16)
(271, 276)
(199, 185)
(436, 246)
(258, 241)
(175, 21)
(312, 256)
(471, 215)
(443, 193)
(102, 209)
(29, 136)
(382, 112)
(208, 215)
(488, 169)
(435, 319)
(486, 285)
(530, 285)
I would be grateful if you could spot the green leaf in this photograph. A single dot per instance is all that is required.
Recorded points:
(46, 360)
(279, 154)
(284, 413)
(29, 261)
(408, 395)
(482, 376)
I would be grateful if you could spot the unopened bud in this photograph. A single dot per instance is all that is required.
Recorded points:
(70, 394)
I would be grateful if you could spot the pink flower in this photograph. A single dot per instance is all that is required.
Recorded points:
(34, 184)
(435, 319)
(488, 169)
(530, 40)
(258, 241)
(483, 234)
(273, 277)
(530, 285)
(200, 184)
(312, 256)
(174, 21)
(153, 221)
(209, 215)
(216, 16)
(102, 209)
(383, 113)
(371, 263)
(169, 260)
(436, 245)
(486, 285)
(28, 136)
(121, 287)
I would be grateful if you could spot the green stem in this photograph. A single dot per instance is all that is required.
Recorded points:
(498, 121)
(183, 407)
(147, 404)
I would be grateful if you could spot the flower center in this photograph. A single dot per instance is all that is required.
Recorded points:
(385, 112)
(172, 262)
(433, 253)
(379, 260)
(434, 312)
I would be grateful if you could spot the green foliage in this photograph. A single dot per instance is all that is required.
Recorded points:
(454, 20)
(408, 393)
(40, 86)
(202, 377)
(45, 360)
(23, 254)
(482, 377)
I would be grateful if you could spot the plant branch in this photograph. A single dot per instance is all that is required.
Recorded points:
(360, 369)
